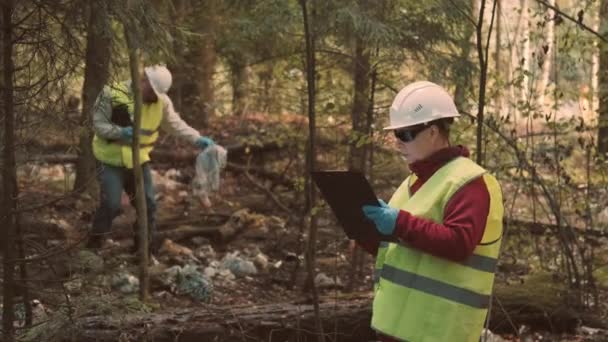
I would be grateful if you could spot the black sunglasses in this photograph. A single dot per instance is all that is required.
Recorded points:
(410, 133)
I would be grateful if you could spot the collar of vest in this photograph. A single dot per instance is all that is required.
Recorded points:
(425, 168)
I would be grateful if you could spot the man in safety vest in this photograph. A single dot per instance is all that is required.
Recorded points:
(434, 283)
(113, 125)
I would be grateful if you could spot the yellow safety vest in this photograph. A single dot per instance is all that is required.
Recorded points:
(119, 153)
(423, 298)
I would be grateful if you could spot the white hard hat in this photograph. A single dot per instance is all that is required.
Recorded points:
(421, 102)
(160, 78)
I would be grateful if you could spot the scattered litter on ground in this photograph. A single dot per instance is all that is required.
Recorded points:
(188, 280)
(323, 281)
(261, 261)
(488, 336)
(205, 253)
(174, 249)
(237, 265)
(125, 282)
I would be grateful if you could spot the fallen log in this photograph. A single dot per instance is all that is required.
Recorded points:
(540, 228)
(166, 154)
(345, 321)
(187, 232)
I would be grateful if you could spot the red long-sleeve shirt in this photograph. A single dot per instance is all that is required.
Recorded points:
(464, 220)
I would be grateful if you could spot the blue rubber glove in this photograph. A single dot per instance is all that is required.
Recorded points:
(383, 216)
(126, 133)
(204, 142)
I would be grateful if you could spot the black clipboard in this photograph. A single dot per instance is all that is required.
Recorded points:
(347, 192)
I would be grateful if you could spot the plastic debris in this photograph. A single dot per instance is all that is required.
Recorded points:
(125, 282)
(189, 281)
(488, 336)
(589, 331)
(175, 249)
(208, 165)
(164, 183)
(226, 275)
(210, 272)
(205, 253)
(261, 261)
(237, 265)
(323, 281)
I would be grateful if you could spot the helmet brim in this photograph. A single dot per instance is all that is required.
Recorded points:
(416, 123)
(147, 71)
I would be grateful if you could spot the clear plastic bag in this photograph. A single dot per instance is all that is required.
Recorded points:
(209, 164)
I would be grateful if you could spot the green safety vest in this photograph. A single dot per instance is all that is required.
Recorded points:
(119, 153)
(423, 298)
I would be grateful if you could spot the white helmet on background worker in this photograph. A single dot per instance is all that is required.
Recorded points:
(160, 78)
(420, 102)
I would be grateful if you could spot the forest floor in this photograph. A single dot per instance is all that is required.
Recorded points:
(249, 247)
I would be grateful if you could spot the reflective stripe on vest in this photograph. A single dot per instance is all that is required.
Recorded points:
(434, 287)
(478, 262)
(118, 152)
(420, 297)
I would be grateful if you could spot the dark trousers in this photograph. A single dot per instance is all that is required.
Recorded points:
(112, 181)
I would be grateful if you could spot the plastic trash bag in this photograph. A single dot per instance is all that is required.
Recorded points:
(189, 281)
(237, 265)
(209, 163)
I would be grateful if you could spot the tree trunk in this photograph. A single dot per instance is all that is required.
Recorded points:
(9, 176)
(194, 67)
(361, 79)
(525, 50)
(208, 58)
(177, 10)
(602, 138)
(311, 198)
(266, 102)
(482, 54)
(515, 58)
(499, 99)
(96, 74)
(464, 74)
(547, 52)
(140, 199)
(238, 79)
(595, 69)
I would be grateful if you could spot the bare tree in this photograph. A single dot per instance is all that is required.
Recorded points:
(464, 74)
(595, 65)
(525, 50)
(483, 55)
(195, 63)
(547, 49)
(602, 138)
(9, 175)
(133, 45)
(311, 197)
(239, 78)
(96, 74)
(361, 86)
